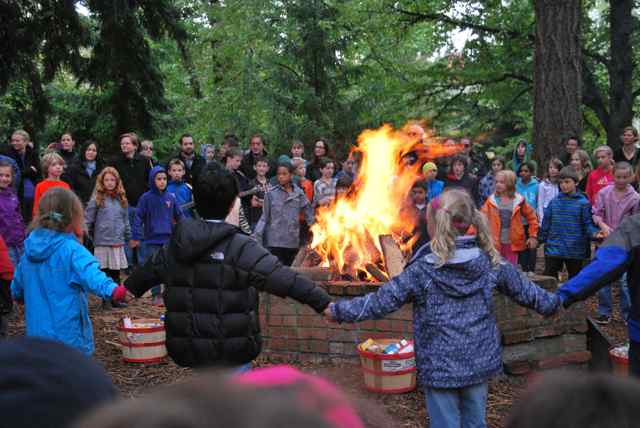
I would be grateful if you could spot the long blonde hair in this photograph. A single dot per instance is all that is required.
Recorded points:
(451, 215)
(509, 180)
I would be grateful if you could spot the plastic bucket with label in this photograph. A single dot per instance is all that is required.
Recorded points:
(388, 374)
(143, 341)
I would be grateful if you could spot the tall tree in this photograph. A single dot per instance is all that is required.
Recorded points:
(557, 75)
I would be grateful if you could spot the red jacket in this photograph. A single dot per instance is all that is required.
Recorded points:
(598, 180)
(6, 267)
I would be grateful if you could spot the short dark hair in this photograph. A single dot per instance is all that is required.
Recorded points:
(230, 140)
(324, 161)
(529, 165)
(573, 137)
(287, 165)
(184, 136)
(419, 184)
(214, 191)
(260, 159)
(233, 152)
(569, 172)
(461, 159)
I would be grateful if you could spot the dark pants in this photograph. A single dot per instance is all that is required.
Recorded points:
(285, 255)
(553, 265)
(113, 274)
(634, 359)
(527, 257)
(27, 210)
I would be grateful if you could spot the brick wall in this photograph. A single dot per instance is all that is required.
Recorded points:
(531, 342)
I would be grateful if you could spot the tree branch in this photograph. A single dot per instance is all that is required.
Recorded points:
(592, 97)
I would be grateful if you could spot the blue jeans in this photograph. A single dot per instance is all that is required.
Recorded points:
(14, 254)
(605, 301)
(144, 252)
(458, 407)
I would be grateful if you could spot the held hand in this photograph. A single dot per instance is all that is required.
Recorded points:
(532, 243)
(254, 202)
(605, 230)
(328, 314)
(133, 243)
(119, 293)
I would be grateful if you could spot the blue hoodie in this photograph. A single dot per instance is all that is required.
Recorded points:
(182, 191)
(157, 213)
(457, 341)
(53, 279)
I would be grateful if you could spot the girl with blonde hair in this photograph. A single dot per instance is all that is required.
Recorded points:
(107, 221)
(581, 163)
(450, 282)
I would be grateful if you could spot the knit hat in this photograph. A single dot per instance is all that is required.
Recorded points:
(569, 172)
(428, 167)
(284, 159)
(46, 383)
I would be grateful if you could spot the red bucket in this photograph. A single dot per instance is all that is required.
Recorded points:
(143, 341)
(388, 373)
(619, 356)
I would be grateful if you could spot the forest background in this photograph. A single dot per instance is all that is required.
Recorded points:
(300, 70)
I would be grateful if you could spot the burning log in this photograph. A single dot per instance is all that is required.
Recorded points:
(375, 272)
(393, 258)
(316, 273)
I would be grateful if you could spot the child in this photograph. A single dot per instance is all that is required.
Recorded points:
(156, 216)
(602, 176)
(613, 204)
(581, 163)
(548, 188)
(527, 186)
(11, 226)
(324, 189)
(297, 149)
(179, 188)
(299, 174)
(107, 221)
(233, 161)
(506, 212)
(279, 227)
(487, 185)
(457, 343)
(567, 228)
(57, 272)
(418, 214)
(458, 177)
(522, 154)
(433, 185)
(213, 273)
(261, 184)
(52, 169)
(6, 275)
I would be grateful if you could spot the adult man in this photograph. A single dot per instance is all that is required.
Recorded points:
(571, 144)
(256, 150)
(478, 161)
(193, 162)
(22, 152)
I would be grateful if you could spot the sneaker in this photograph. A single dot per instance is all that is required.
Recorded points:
(602, 319)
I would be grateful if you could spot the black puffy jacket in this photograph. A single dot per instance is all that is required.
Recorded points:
(212, 273)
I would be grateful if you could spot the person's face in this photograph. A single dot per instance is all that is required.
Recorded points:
(176, 172)
(160, 181)
(91, 153)
(223, 149)
(347, 166)
(256, 146)
(18, 142)
(603, 158)
(297, 151)
(147, 150)
(5, 177)
(55, 170)
(67, 142)
(496, 166)
(628, 138)
(450, 142)
(553, 171)
(419, 195)
(567, 185)
(571, 146)
(127, 146)
(210, 153)
(416, 133)
(186, 145)
(262, 168)
(233, 162)
(109, 182)
(283, 175)
(466, 146)
(458, 169)
(327, 171)
(431, 175)
(576, 162)
(501, 185)
(622, 177)
(525, 174)
(521, 150)
(319, 149)
(301, 170)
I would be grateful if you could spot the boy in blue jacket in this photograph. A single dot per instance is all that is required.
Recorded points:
(156, 216)
(567, 228)
(179, 188)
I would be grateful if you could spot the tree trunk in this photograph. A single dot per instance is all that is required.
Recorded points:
(557, 75)
(620, 70)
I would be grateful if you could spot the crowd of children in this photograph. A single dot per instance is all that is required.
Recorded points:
(94, 218)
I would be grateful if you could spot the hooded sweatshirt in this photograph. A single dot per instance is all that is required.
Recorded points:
(514, 163)
(457, 341)
(529, 191)
(157, 213)
(11, 225)
(611, 210)
(53, 279)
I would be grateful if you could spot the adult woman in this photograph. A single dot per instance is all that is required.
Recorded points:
(83, 173)
(581, 162)
(320, 150)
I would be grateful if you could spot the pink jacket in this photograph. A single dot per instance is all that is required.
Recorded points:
(610, 210)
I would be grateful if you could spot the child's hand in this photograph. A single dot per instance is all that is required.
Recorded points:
(328, 313)
(133, 243)
(119, 294)
(532, 243)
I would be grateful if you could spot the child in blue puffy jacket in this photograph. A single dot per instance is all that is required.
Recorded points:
(450, 282)
(56, 273)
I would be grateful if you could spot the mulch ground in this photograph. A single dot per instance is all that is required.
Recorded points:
(405, 410)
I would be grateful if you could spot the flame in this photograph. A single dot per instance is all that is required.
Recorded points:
(345, 234)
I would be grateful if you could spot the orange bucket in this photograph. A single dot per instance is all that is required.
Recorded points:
(388, 374)
(619, 360)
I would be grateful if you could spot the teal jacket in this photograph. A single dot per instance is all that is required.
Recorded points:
(53, 278)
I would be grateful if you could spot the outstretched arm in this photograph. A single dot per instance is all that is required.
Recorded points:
(150, 274)
(518, 287)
